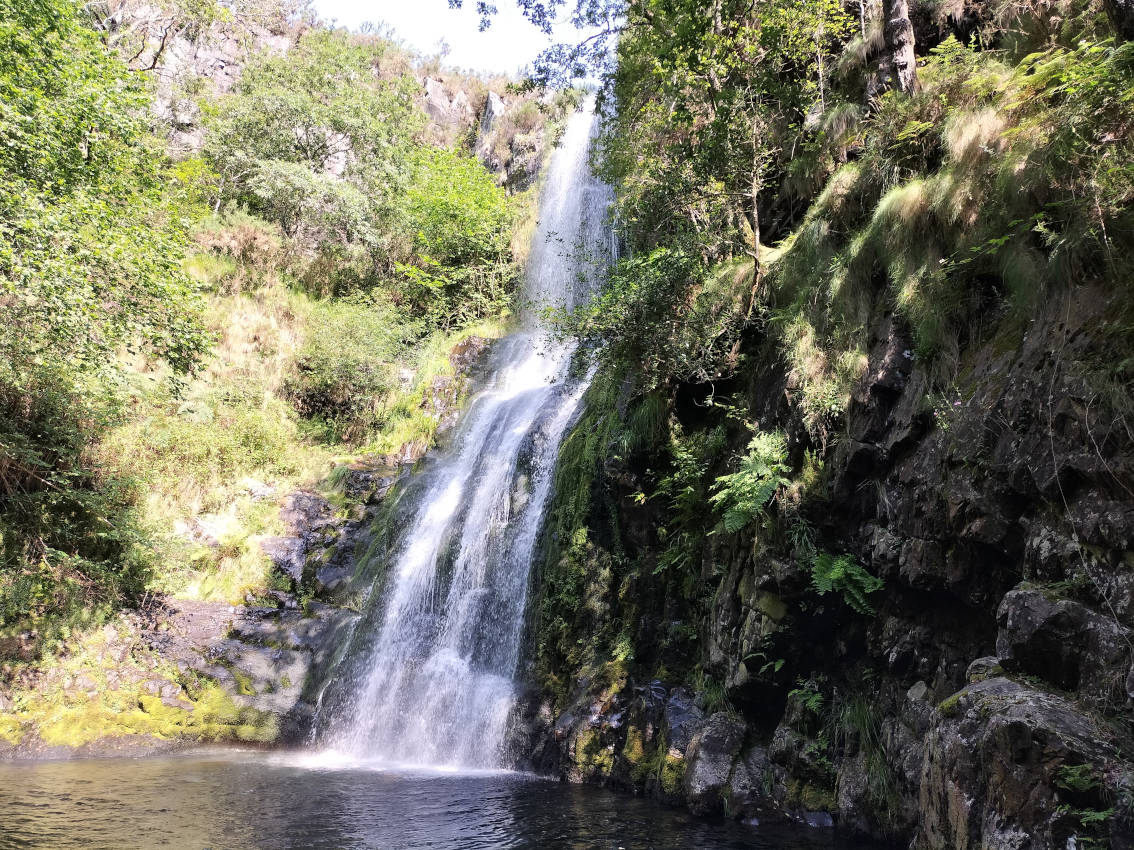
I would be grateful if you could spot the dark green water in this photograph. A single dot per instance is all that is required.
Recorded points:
(232, 801)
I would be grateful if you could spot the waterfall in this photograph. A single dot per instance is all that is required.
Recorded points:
(432, 666)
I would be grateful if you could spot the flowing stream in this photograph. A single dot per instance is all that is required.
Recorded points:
(430, 681)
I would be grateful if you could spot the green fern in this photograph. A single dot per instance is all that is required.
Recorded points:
(744, 494)
(845, 575)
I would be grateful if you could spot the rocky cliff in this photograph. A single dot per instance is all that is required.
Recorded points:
(983, 700)
(846, 532)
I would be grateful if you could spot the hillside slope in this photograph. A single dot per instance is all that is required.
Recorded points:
(846, 532)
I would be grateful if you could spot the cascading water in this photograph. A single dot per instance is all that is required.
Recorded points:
(434, 659)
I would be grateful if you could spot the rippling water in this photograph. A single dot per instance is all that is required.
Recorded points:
(233, 801)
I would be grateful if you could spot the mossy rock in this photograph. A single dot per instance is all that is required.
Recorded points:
(811, 798)
(10, 729)
(772, 606)
(951, 705)
(672, 773)
(591, 755)
(211, 717)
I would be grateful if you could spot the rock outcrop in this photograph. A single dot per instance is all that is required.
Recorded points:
(986, 702)
(1008, 765)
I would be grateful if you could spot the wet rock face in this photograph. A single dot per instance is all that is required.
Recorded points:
(266, 659)
(988, 702)
(683, 718)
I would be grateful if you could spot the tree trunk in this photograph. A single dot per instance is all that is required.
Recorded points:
(756, 185)
(1121, 14)
(899, 36)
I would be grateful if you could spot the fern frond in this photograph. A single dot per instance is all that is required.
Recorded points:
(844, 574)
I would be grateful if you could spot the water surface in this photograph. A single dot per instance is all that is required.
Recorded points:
(238, 801)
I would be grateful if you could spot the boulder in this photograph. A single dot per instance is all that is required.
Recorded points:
(446, 111)
(993, 766)
(1065, 643)
(747, 794)
(709, 760)
(289, 554)
(494, 109)
(986, 667)
(307, 512)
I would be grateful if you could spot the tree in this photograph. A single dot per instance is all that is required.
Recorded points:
(92, 234)
(90, 240)
(318, 140)
(723, 99)
(461, 224)
(899, 35)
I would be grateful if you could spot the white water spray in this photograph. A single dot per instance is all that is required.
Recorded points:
(433, 684)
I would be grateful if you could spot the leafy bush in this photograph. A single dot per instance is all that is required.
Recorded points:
(92, 235)
(744, 494)
(90, 244)
(526, 116)
(319, 143)
(461, 224)
(69, 539)
(844, 575)
(348, 365)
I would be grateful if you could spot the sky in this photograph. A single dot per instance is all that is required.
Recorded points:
(508, 45)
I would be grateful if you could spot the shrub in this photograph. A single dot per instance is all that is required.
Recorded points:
(317, 143)
(69, 539)
(462, 267)
(526, 116)
(347, 366)
(664, 314)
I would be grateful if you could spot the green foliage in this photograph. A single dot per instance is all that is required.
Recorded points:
(70, 543)
(118, 427)
(859, 728)
(323, 143)
(743, 495)
(1077, 778)
(713, 693)
(703, 103)
(318, 142)
(809, 697)
(844, 575)
(347, 368)
(461, 223)
(1007, 176)
(635, 312)
(1085, 793)
(90, 245)
(91, 241)
(684, 491)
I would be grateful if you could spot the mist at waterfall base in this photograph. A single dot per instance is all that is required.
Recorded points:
(428, 676)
